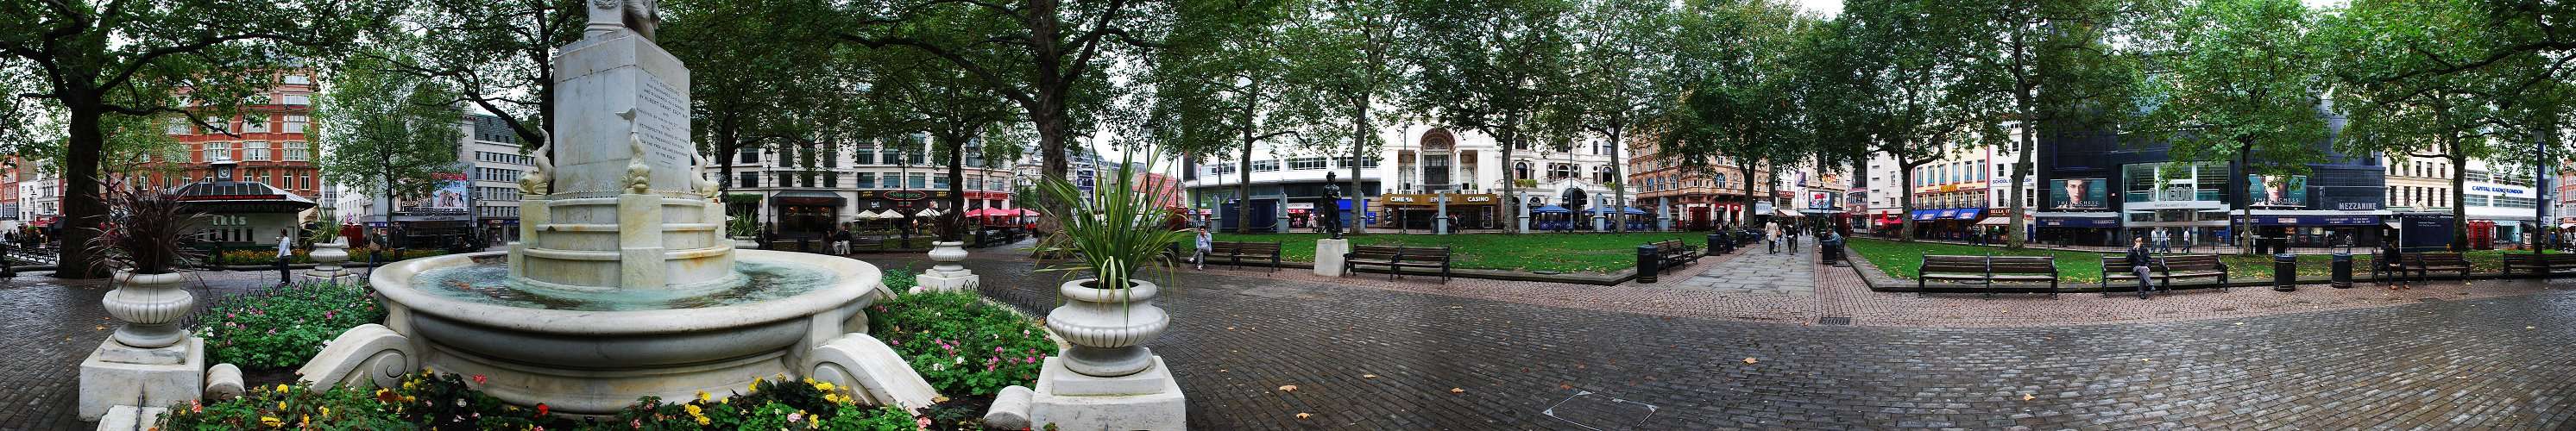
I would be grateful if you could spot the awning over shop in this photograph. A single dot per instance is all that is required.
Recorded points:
(1994, 221)
(1926, 215)
(2079, 222)
(2314, 220)
(1550, 209)
(1786, 213)
(1968, 213)
(807, 198)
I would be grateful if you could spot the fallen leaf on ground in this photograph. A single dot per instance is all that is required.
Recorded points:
(1368, 376)
(1288, 388)
(2028, 397)
(1457, 390)
(1749, 360)
(1303, 416)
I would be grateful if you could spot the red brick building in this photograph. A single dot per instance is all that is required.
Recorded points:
(1167, 190)
(270, 144)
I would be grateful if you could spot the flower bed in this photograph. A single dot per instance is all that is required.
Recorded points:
(962, 345)
(427, 400)
(283, 327)
(241, 257)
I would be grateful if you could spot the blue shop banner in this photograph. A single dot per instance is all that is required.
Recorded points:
(2314, 220)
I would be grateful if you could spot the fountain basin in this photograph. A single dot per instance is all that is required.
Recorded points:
(590, 358)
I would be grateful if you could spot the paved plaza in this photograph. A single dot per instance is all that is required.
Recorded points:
(1364, 352)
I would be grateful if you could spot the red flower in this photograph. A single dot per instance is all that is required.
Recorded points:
(479, 379)
(541, 409)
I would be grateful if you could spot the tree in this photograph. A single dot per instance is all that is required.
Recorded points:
(2053, 60)
(497, 55)
(1222, 81)
(767, 83)
(1056, 52)
(1921, 94)
(2457, 115)
(1732, 108)
(2237, 80)
(1346, 51)
(132, 58)
(1489, 67)
(916, 93)
(384, 132)
(1622, 76)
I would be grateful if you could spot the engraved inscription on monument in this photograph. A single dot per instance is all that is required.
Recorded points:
(662, 117)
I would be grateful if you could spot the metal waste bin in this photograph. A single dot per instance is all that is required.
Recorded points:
(2285, 272)
(1646, 264)
(2342, 270)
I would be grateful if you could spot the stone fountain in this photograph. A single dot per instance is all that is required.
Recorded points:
(624, 284)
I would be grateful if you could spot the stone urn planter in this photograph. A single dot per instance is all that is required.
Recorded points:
(947, 275)
(328, 256)
(150, 305)
(1108, 328)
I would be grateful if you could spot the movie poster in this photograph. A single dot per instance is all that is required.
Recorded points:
(2277, 190)
(451, 193)
(2080, 193)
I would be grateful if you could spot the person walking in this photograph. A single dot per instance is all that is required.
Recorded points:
(2164, 241)
(1205, 243)
(285, 249)
(2139, 259)
(1791, 236)
(1771, 237)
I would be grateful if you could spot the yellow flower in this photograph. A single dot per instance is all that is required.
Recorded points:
(750, 388)
(271, 422)
(694, 411)
(832, 398)
(281, 405)
(326, 412)
(308, 421)
(703, 397)
(823, 385)
(281, 388)
(702, 420)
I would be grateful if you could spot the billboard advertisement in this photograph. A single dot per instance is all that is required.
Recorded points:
(2277, 190)
(451, 193)
(1820, 200)
(2080, 193)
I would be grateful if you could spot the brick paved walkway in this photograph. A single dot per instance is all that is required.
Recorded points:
(1366, 353)
(1783, 273)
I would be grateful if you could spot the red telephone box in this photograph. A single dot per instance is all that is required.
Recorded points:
(2481, 235)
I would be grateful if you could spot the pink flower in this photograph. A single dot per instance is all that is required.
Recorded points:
(795, 417)
(997, 349)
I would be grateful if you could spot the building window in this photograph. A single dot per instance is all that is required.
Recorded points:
(750, 179)
(294, 124)
(832, 179)
(255, 124)
(178, 126)
(298, 79)
(219, 151)
(918, 180)
(864, 156)
(220, 125)
(298, 100)
(1265, 165)
(867, 180)
(749, 155)
(831, 158)
(1306, 163)
(255, 151)
(295, 152)
(892, 181)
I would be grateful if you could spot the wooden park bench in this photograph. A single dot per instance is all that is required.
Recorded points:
(1397, 258)
(2425, 263)
(1986, 271)
(1670, 254)
(2164, 270)
(1235, 252)
(2541, 265)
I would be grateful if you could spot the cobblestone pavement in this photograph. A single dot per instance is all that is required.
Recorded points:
(1366, 353)
(53, 324)
(1784, 273)
(1364, 357)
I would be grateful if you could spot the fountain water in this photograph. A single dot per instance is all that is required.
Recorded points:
(623, 285)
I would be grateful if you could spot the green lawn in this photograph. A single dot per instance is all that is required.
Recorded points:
(1560, 252)
(1899, 259)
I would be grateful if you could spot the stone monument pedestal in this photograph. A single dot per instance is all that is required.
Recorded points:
(1147, 400)
(1328, 256)
(947, 275)
(117, 374)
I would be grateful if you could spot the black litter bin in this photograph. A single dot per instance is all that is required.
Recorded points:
(1647, 264)
(2342, 271)
(2285, 272)
(1717, 244)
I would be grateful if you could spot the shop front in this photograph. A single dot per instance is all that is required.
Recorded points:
(1418, 210)
(807, 213)
(2316, 228)
(2093, 229)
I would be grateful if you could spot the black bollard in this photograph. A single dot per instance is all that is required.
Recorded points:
(1646, 262)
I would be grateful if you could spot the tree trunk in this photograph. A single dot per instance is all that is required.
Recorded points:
(1511, 172)
(956, 188)
(1243, 191)
(2459, 206)
(2018, 234)
(1905, 200)
(1745, 166)
(1619, 191)
(1360, 136)
(83, 209)
(2245, 223)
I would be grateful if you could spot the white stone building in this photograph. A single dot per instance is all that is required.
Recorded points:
(1403, 184)
(811, 191)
